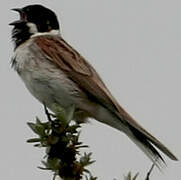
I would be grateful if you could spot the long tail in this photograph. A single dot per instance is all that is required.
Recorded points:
(145, 145)
(143, 139)
(122, 121)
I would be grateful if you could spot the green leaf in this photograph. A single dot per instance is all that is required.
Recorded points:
(38, 121)
(86, 159)
(37, 145)
(70, 113)
(32, 126)
(60, 112)
(129, 177)
(37, 128)
(73, 128)
(33, 140)
(42, 168)
(60, 137)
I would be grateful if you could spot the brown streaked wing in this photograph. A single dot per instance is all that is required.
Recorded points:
(81, 72)
(77, 68)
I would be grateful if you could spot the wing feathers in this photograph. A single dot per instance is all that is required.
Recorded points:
(63, 55)
(81, 72)
(76, 68)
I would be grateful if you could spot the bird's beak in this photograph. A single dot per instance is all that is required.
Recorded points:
(20, 10)
(16, 22)
(22, 17)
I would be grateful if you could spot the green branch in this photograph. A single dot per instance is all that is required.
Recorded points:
(60, 136)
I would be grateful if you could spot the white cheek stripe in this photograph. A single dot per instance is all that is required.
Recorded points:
(32, 28)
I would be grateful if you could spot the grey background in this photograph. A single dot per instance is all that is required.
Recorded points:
(136, 48)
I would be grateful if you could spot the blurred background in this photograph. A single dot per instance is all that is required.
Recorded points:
(136, 48)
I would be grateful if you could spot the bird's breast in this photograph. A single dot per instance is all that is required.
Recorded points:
(46, 82)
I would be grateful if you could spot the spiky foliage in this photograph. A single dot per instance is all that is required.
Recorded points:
(60, 136)
(129, 176)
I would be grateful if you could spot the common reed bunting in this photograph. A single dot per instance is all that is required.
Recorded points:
(55, 73)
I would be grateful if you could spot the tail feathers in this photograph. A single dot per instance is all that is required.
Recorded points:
(144, 137)
(146, 146)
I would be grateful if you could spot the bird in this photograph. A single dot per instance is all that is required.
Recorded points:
(55, 73)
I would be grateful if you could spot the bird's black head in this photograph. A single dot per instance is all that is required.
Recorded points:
(33, 19)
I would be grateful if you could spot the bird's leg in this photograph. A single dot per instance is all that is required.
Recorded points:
(47, 113)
